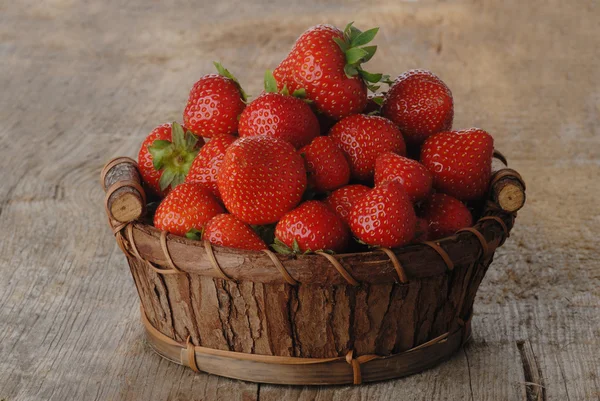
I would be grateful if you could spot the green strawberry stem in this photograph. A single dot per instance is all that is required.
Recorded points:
(174, 158)
(387, 80)
(225, 73)
(353, 46)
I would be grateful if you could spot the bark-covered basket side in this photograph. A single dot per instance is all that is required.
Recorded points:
(306, 320)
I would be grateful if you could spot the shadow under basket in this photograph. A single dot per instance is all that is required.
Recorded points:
(312, 319)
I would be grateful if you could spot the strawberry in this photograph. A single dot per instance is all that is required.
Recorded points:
(166, 156)
(186, 208)
(421, 231)
(341, 200)
(460, 162)
(214, 104)
(326, 62)
(413, 176)
(206, 165)
(363, 138)
(261, 179)
(384, 216)
(420, 104)
(312, 226)
(445, 215)
(227, 230)
(326, 165)
(280, 116)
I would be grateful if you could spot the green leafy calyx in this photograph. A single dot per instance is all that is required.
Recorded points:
(271, 87)
(225, 73)
(283, 249)
(174, 158)
(270, 82)
(353, 45)
(194, 234)
(378, 100)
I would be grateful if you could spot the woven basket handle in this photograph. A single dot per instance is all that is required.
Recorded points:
(125, 198)
(507, 186)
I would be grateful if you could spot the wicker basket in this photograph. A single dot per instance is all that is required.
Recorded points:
(313, 319)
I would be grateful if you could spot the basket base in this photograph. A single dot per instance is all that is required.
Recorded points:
(307, 371)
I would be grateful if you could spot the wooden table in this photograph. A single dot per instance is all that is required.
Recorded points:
(82, 82)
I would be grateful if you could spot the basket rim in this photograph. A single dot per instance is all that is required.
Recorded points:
(167, 254)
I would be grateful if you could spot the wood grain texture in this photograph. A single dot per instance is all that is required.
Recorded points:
(508, 190)
(83, 82)
(127, 201)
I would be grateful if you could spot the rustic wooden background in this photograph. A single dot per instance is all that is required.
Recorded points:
(84, 81)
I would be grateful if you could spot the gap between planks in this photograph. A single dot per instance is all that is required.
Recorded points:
(534, 379)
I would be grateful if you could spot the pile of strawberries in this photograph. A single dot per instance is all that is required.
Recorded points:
(315, 162)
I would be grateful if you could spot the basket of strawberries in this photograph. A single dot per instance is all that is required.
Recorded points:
(316, 234)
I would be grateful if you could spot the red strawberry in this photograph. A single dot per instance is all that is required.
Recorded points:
(326, 63)
(460, 162)
(280, 116)
(420, 104)
(261, 179)
(384, 217)
(421, 231)
(227, 230)
(166, 156)
(214, 104)
(363, 138)
(341, 200)
(187, 207)
(312, 226)
(326, 165)
(445, 215)
(206, 165)
(413, 176)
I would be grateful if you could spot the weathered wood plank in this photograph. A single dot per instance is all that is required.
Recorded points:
(81, 83)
